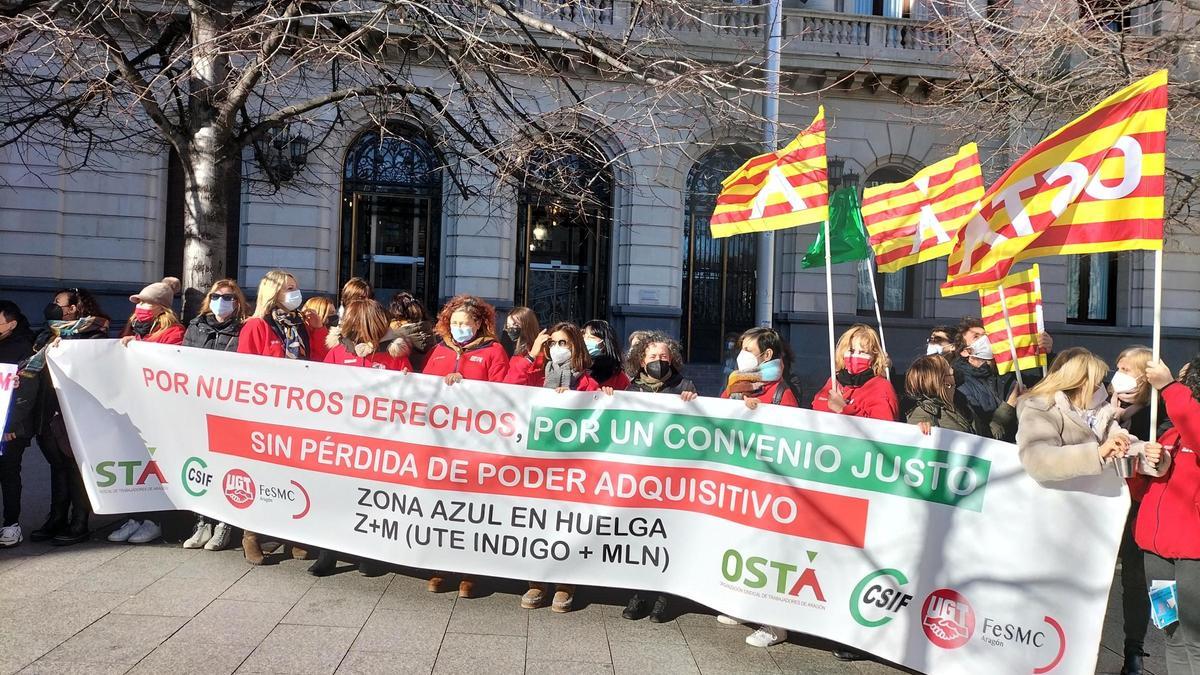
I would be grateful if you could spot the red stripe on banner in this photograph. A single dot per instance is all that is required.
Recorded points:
(1029, 306)
(915, 207)
(772, 210)
(822, 516)
(805, 178)
(935, 180)
(911, 230)
(754, 168)
(1099, 233)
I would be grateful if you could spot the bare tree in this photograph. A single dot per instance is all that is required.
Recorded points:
(212, 78)
(1029, 66)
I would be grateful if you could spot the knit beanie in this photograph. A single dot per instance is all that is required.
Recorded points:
(160, 293)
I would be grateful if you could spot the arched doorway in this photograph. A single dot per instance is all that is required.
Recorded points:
(896, 290)
(564, 237)
(391, 214)
(719, 275)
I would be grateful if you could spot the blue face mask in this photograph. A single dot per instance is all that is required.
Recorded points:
(221, 308)
(594, 348)
(770, 371)
(462, 334)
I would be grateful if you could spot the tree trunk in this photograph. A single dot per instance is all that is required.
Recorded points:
(205, 214)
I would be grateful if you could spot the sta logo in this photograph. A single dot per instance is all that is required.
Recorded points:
(781, 577)
(878, 597)
(196, 477)
(238, 488)
(948, 619)
(129, 472)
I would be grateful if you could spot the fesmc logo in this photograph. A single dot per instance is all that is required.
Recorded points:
(949, 622)
(880, 594)
(129, 472)
(780, 577)
(241, 491)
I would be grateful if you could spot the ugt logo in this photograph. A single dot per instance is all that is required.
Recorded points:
(129, 471)
(947, 618)
(239, 488)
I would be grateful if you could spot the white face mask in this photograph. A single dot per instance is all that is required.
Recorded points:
(932, 350)
(560, 355)
(292, 299)
(1123, 383)
(982, 349)
(746, 360)
(221, 308)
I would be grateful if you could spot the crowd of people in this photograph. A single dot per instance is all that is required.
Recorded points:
(1071, 423)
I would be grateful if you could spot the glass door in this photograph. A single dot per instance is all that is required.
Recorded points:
(391, 242)
(562, 264)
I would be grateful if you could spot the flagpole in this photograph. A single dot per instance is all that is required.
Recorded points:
(829, 308)
(1156, 343)
(1012, 343)
(765, 268)
(878, 314)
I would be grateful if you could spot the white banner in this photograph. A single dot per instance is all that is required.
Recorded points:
(8, 384)
(937, 552)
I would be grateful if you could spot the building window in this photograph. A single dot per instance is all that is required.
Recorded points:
(895, 289)
(892, 9)
(1092, 289)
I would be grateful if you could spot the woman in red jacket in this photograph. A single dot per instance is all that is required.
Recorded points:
(279, 330)
(152, 320)
(468, 350)
(764, 370)
(604, 347)
(524, 341)
(862, 388)
(1168, 520)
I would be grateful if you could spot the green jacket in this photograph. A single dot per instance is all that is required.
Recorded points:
(1002, 426)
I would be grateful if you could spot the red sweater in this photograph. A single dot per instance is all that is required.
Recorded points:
(767, 395)
(487, 362)
(257, 337)
(523, 371)
(378, 360)
(619, 382)
(1168, 521)
(875, 399)
(171, 335)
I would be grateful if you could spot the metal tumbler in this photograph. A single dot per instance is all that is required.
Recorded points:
(1126, 466)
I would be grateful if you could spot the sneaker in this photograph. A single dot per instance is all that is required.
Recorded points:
(766, 636)
(124, 532)
(10, 536)
(728, 620)
(200, 536)
(148, 532)
(222, 536)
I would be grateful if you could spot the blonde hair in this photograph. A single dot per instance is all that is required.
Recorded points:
(1076, 372)
(365, 322)
(869, 339)
(1139, 357)
(268, 291)
(321, 306)
(242, 307)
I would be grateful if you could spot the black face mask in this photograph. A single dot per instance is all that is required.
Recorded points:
(53, 312)
(659, 370)
(508, 343)
(141, 328)
(513, 333)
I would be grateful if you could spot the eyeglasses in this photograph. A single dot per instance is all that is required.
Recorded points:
(560, 343)
(223, 296)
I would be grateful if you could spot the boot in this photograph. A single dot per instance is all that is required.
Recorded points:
(658, 613)
(371, 568)
(466, 587)
(437, 583)
(535, 597)
(1133, 662)
(55, 524)
(325, 565)
(301, 553)
(77, 529)
(250, 545)
(635, 608)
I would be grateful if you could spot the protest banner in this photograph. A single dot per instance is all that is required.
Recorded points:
(936, 552)
(8, 384)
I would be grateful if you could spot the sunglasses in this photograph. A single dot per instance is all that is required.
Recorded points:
(224, 296)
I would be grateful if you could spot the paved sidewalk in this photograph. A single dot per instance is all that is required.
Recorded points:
(115, 608)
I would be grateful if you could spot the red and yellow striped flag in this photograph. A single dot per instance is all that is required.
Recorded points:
(1023, 297)
(916, 220)
(777, 190)
(1094, 185)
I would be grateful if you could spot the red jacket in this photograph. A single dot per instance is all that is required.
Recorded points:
(171, 335)
(523, 371)
(487, 362)
(767, 395)
(619, 382)
(257, 337)
(875, 399)
(379, 360)
(1168, 521)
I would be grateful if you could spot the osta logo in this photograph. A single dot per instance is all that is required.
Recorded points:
(129, 472)
(948, 619)
(785, 578)
(878, 597)
(238, 488)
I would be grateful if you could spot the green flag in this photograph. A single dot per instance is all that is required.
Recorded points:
(848, 238)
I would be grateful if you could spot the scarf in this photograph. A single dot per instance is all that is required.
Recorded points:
(743, 382)
(847, 379)
(977, 386)
(647, 383)
(67, 330)
(290, 328)
(561, 376)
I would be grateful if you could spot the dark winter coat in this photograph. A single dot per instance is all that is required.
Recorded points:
(205, 332)
(960, 417)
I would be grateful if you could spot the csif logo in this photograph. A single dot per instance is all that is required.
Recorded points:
(878, 597)
(196, 477)
(947, 618)
(776, 576)
(238, 487)
(129, 472)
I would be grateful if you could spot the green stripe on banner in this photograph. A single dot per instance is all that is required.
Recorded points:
(927, 474)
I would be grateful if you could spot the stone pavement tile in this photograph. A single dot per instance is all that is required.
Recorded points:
(175, 596)
(539, 667)
(334, 607)
(590, 617)
(496, 614)
(117, 638)
(21, 650)
(873, 668)
(300, 649)
(213, 565)
(386, 663)
(717, 636)
(132, 571)
(179, 655)
(700, 620)
(795, 659)
(233, 622)
(388, 630)
(573, 643)
(57, 615)
(47, 666)
(408, 593)
(639, 658)
(480, 654)
(270, 584)
(351, 578)
(623, 630)
(717, 660)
